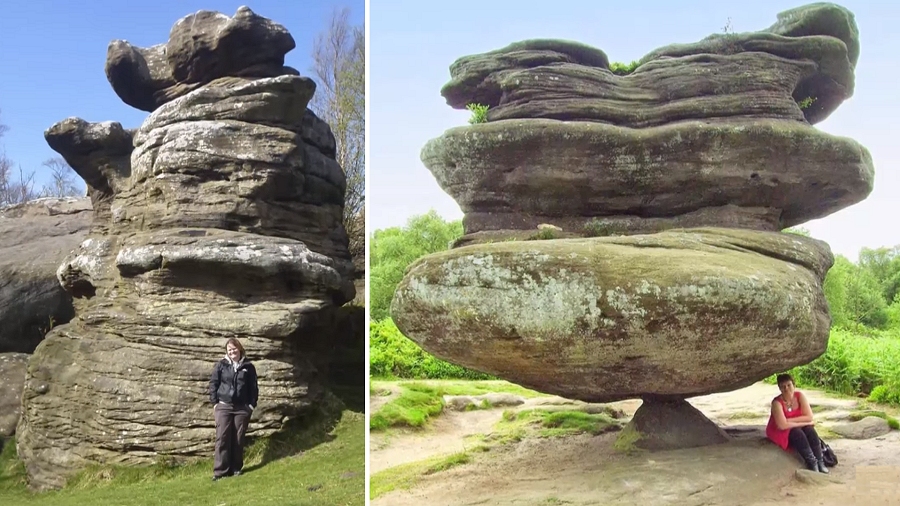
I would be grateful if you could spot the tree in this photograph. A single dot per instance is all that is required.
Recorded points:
(13, 190)
(392, 250)
(339, 65)
(17, 186)
(854, 296)
(62, 179)
(797, 231)
(884, 265)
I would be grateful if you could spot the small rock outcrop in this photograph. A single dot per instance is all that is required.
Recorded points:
(34, 238)
(867, 428)
(219, 217)
(622, 227)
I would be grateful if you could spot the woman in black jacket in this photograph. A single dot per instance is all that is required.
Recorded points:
(234, 391)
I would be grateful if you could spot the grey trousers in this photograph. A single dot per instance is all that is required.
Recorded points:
(232, 421)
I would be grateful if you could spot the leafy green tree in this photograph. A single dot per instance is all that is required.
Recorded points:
(884, 265)
(393, 249)
(797, 231)
(854, 296)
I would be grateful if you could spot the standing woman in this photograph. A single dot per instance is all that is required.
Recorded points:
(791, 424)
(233, 390)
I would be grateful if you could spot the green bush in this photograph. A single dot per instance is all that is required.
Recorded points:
(857, 364)
(479, 113)
(623, 69)
(393, 355)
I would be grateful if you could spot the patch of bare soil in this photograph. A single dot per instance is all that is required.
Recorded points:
(446, 434)
(585, 470)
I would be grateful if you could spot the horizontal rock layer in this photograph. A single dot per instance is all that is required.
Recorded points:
(671, 314)
(810, 53)
(225, 220)
(765, 174)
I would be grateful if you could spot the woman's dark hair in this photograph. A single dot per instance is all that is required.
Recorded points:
(237, 344)
(780, 379)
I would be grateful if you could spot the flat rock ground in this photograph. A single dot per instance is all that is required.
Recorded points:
(585, 470)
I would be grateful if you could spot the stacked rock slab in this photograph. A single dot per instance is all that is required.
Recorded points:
(219, 217)
(622, 229)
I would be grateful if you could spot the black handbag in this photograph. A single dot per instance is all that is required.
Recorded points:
(828, 455)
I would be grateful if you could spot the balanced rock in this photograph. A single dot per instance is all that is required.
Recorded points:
(221, 216)
(693, 160)
(678, 313)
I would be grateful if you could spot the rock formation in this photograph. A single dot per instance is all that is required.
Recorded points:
(219, 217)
(12, 377)
(34, 238)
(671, 182)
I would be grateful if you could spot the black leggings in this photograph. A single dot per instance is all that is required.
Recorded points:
(803, 439)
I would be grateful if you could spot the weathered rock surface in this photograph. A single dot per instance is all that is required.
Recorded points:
(12, 379)
(581, 176)
(867, 428)
(219, 217)
(202, 47)
(809, 52)
(468, 402)
(98, 152)
(34, 238)
(679, 313)
(570, 143)
(669, 424)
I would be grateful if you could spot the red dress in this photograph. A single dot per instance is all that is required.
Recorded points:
(778, 436)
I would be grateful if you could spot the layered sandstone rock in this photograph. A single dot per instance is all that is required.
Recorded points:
(693, 162)
(728, 118)
(12, 378)
(34, 238)
(219, 217)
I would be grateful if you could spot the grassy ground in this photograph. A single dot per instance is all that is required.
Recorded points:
(406, 476)
(421, 400)
(514, 427)
(321, 462)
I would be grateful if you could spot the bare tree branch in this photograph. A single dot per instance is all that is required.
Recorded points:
(19, 188)
(63, 182)
(339, 65)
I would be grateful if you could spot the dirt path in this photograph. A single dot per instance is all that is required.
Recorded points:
(584, 470)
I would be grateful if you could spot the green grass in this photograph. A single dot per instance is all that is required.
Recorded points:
(516, 426)
(319, 461)
(859, 415)
(420, 401)
(412, 408)
(406, 476)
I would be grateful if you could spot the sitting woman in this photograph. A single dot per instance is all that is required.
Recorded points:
(791, 424)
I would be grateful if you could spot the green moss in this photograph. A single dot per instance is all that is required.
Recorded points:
(627, 440)
(542, 235)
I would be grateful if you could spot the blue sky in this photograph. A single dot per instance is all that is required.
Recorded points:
(413, 43)
(52, 55)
